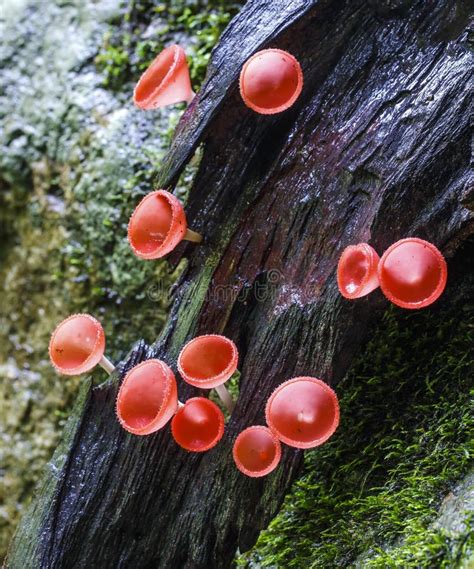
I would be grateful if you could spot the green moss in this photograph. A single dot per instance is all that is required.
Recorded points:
(369, 498)
(154, 25)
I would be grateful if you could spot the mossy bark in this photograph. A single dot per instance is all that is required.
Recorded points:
(393, 488)
(377, 148)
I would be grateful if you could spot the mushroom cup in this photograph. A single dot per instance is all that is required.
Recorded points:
(303, 412)
(148, 398)
(271, 81)
(412, 273)
(357, 271)
(77, 344)
(157, 225)
(198, 425)
(165, 82)
(208, 362)
(256, 451)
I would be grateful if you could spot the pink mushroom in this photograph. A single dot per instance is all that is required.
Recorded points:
(77, 345)
(271, 81)
(208, 362)
(256, 451)
(148, 398)
(165, 82)
(198, 425)
(412, 273)
(357, 271)
(303, 412)
(158, 225)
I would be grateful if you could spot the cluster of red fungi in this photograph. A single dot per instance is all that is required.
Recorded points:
(302, 412)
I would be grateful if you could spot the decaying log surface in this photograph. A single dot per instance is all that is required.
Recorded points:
(376, 149)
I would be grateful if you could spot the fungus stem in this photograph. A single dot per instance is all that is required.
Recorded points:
(192, 236)
(226, 397)
(189, 100)
(106, 364)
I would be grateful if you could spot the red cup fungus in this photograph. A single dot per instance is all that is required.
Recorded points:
(271, 81)
(303, 412)
(165, 82)
(357, 271)
(77, 345)
(412, 273)
(158, 225)
(256, 451)
(148, 398)
(208, 362)
(198, 425)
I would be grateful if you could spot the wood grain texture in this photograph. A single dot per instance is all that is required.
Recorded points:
(376, 149)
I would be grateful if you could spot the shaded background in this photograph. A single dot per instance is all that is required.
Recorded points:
(393, 488)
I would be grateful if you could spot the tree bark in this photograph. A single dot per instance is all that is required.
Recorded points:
(376, 149)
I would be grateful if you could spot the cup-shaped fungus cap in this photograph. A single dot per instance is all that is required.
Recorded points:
(303, 412)
(412, 273)
(271, 81)
(148, 398)
(208, 361)
(256, 451)
(165, 82)
(198, 425)
(77, 345)
(157, 225)
(357, 271)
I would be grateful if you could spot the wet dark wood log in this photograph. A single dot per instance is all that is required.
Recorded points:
(376, 149)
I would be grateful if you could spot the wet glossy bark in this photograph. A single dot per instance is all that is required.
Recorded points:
(376, 149)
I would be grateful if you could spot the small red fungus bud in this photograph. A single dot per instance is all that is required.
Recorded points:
(148, 398)
(77, 345)
(198, 425)
(357, 271)
(157, 225)
(271, 81)
(165, 82)
(412, 273)
(303, 412)
(208, 362)
(256, 451)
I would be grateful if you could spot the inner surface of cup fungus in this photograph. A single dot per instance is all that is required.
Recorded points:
(157, 225)
(198, 425)
(256, 451)
(165, 82)
(357, 271)
(147, 398)
(412, 273)
(271, 81)
(303, 412)
(208, 361)
(77, 345)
